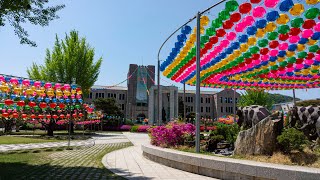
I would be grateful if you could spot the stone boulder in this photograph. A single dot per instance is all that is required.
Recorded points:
(260, 139)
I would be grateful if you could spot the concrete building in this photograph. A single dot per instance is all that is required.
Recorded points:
(138, 100)
(168, 106)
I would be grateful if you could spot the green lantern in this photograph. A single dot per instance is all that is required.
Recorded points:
(314, 71)
(247, 55)
(283, 64)
(210, 31)
(217, 23)
(224, 15)
(296, 22)
(27, 107)
(292, 60)
(302, 54)
(262, 43)
(283, 29)
(275, 67)
(311, 13)
(231, 5)
(272, 35)
(313, 48)
(254, 49)
(204, 39)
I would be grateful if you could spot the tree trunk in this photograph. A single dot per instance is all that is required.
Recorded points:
(50, 128)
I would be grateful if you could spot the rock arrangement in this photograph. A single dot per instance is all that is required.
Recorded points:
(260, 139)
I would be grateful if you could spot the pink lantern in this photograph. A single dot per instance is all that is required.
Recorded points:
(57, 86)
(37, 84)
(283, 46)
(271, 3)
(14, 81)
(294, 39)
(258, 12)
(306, 33)
(273, 52)
(66, 86)
(308, 62)
(231, 36)
(26, 82)
(317, 27)
(48, 85)
(2, 79)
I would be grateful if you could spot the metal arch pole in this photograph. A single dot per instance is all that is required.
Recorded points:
(294, 97)
(198, 86)
(184, 102)
(159, 114)
(234, 104)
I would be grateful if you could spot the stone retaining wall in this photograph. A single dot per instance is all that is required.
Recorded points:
(227, 168)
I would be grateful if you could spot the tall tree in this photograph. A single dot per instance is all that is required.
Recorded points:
(255, 97)
(108, 106)
(70, 61)
(36, 12)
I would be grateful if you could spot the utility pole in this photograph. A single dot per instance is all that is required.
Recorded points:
(198, 81)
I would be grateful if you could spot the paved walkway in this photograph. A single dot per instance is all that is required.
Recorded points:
(98, 139)
(131, 164)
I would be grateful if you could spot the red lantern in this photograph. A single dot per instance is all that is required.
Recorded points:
(5, 114)
(221, 32)
(33, 116)
(255, 56)
(62, 106)
(74, 115)
(8, 102)
(213, 40)
(23, 116)
(41, 116)
(20, 103)
(299, 61)
(62, 116)
(15, 115)
(55, 117)
(80, 114)
(43, 105)
(48, 116)
(310, 56)
(53, 105)
(283, 37)
(294, 31)
(255, 1)
(32, 104)
(245, 8)
(308, 24)
(264, 51)
(235, 17)
(273, 44)
(227, 24)
(68, 116)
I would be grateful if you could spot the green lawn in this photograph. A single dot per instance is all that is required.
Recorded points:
(60, 132)
(23, 140)
(84, 163)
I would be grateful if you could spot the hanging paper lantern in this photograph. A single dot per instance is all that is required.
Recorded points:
(55, 116)
(62, 116)
(68, 116)
(5, 114)
(32, 104)
(297, 9)
(52, 105)
(312, 13)
(308, 24)
(80, 115)
(271, 3)
(33, 116)
(43, 105)
(41, 116)
(283, 37)
(258, 12)
(74, 115)
(48, 116)
(62, 106)
(231, 5)
(245, 8)
(312, 2)
(8, 102)
(24, 116)
(15, 115)
(235, 17)
(20, 103)
(283, 19)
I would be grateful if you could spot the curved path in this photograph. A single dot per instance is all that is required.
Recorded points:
(97, 139)
(130, 163)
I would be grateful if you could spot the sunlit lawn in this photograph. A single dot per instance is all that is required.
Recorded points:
(23, 140)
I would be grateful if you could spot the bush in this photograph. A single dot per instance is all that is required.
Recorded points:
(292, 139)
(172, 134)
(229, 132)
(128, 122)
(125, 128)
(134, 129)
(143, 128)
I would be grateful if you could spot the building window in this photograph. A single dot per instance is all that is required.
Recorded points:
(109, 95)
(221, 99)
(191, 99)
(230, 100)
(236, 100)
(191, 108)
(226, 109)
(102, 95)
(122, 107)
(221, 109)
(231, 109)
(201, 109)
(115, 96)
(96, 95)
(226, 100)
(208, 100)
(201, 99)
(90, 96)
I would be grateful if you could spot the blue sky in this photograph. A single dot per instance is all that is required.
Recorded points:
(122, 32)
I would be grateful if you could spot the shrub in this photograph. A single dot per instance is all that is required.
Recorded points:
(172, 134)
(292, 139)
(143, 128)
(229, 132)
(134, 128)
(125, 128)
(128, 122)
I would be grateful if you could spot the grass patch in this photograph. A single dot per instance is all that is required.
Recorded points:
(84, 163)
(23, 140)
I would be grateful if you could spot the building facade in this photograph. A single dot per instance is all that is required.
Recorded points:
(135, 103)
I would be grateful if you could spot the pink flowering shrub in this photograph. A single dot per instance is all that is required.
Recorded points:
(172, 134)
(125, 128)
(143, 128)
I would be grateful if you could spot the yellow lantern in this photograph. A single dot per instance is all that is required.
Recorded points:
(271, 27)
(260, 33)
(297, 9)
(300, 47)
(244, 47)
(4, 88)
(204, 21)
(33, 88)
(312, 42)
(29, 91)
(312, 1)
(67, 93)
(59, 92)
(39, 92)
(283, 19)
(73, 91)
(252, 41)
(290, 53)
(79, 92)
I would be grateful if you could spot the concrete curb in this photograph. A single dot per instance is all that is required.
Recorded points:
(227, 168)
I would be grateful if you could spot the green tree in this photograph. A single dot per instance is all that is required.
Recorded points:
(108, 106)
(255, 97)
(70, 61)
(180, 107)
(35, 12)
